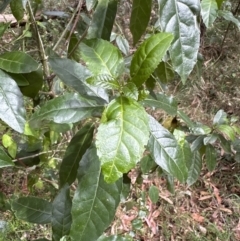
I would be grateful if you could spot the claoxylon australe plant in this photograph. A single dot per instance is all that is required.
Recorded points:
(100, 92)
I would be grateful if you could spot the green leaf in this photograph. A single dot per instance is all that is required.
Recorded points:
(219, 3)
(113, 238)
(153, 194)
(103, 19)
(225, 144)
(121, 137)
(90, 4)
(69, 108)
(148, 56)
(17, 62)
(220, 118)
(229, 17)
(102, 58)
(3, 28)
(166, 151)
(168, 104)
(227, 130)
(10, 144)
(211, 157)
(141, 12)
(130, 90)
(12, 110)
(164, 72)
(147, 164)
(210, 139)
(29, 83)
(95, 201)
(185, 118)
(33, 209)
(195, 168)
(74, 75)
(75, 150)
(209, 10)
(5, 160)
(17, 9)
(61, 214)
(122, 44)
(197, 143)
(178, 17)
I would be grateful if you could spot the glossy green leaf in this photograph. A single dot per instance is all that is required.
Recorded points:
(164, 72)
(153, 194)
(32, 209)
(147, 164)
(166, 103)
(17, 62)
(61, 214)
(228, 15)
(178, 17)
(5, 160)
(195, 168)
(103, 19)
(211, 157)
(103, 59)
(17, 9)
(210, 139)
(74, 75)
(3, 28)
(121, 137)
(29, 83)
(90, 4)
(197, 143)
(113, 238)
(166, 152)
(220, 118)
(148, 56)
(69, 108)
(122, 44)
(209, 12)
(140, 16)
(227, 130)
(95, 201)
(75, 150)
(130, 90)
(12, 110)
(225, 144)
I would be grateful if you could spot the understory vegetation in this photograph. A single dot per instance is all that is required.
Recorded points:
(119, 120)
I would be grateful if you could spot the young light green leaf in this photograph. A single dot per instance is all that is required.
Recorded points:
(103, 19)
(153, 194)
(121, 137)
(229, 17)
(10, 144)
(211, 157)
(227, 130)
(95, 201)
(130, 90)
(179, 18)
(17, 9)
(74, 75)
(122, 44)
(61, 214)
(17, 62)
(90, 4)
(166, 151)
(148, 56)
(12, 110)
(5, 160)
(164, 72)
(75, 150)
(33, 209)
(141, 12)
(220, 118)
(209, 11)
(166, 103)
(69, 108)
(102, 58)
(195, 168)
